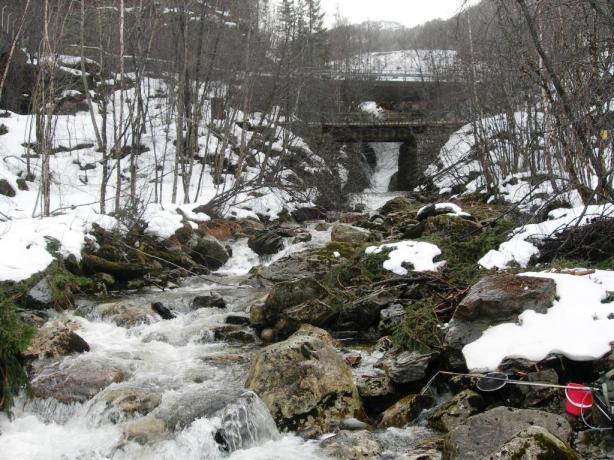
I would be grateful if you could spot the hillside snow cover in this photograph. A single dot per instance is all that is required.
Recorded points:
(76, 175)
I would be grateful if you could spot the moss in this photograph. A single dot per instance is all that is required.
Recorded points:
(15, 337)
(462, 255)
(63, 284)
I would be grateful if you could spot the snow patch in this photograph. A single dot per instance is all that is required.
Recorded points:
(417, 253)
(578, 325)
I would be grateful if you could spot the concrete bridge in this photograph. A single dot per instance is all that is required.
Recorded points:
(404, 131)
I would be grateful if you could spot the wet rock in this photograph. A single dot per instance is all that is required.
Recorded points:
(245, 423)
(285, 296)
(352, 445)
(40, 297)
(304, 214)
(373, 383)
(127, 314)
(353, 424)
(345, 233)
(210, 252)
(302, 237)
(502, 297)
(322, 227)
(268, 335)
(485, 434)
(146, 430)
(454, 412)
(353, 359)
(266, 242)
(125, 402)
(75, 380)
(233, 333)
(314, 312)
(6, 188)
(397, 204)
(408, 366)
(181, 409)
(305, 383)
(212, 300)
(390, 319)
(405, 411)
(162, 310)
(56, 341)
(535, 443)
(33, 318)
(237, 320)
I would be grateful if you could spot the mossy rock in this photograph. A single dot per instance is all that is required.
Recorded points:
(397, 204)
(120, 270)
(452, 227)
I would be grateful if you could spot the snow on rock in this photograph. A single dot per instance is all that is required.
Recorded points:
(162, 222)
(417, 253)
(578, 325)
(519, 249)
(23, 242)
(450, 209)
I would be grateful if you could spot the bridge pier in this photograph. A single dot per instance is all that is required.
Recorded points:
(407, 174)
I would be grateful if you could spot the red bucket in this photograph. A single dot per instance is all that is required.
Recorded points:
(579, 399)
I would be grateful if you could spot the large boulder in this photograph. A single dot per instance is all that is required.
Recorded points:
(502, 297)
(345, 233)
(266, 242)
(483, 435)
(284, 296)
(210, 252)
(313, 311)
(535, 443)
(398, 204)
(305, 383)
(494, 300)
(75, 380)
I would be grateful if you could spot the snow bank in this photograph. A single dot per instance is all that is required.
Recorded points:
(23, 242)
(578, 325)
(417, 253)
(520, 248)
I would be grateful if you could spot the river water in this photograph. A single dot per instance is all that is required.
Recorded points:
(198, 380)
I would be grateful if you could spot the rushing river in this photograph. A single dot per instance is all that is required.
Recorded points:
(197, 379)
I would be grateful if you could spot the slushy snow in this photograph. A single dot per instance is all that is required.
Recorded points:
(578, 325)
(417, 253)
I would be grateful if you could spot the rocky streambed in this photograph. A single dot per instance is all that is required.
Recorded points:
(312, 349)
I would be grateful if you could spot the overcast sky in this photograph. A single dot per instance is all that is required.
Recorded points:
(406, 12)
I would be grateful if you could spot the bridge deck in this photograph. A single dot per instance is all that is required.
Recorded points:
(373, 131)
